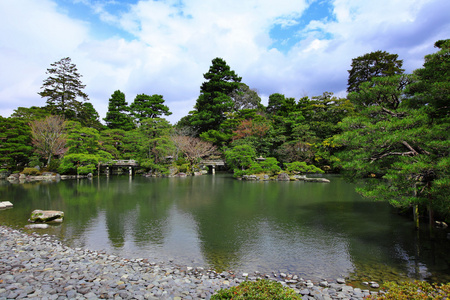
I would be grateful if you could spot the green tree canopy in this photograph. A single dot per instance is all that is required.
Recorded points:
(117, 116)
(432, 87)
(214, 100)
(145, 107)
(62, 89)
(15, 142)
(245, 98)
(374, 64)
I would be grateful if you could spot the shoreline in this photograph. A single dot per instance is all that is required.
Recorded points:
(40, 266)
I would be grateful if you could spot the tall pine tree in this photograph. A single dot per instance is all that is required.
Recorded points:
(62, 89)
(117, 116)
(214, 100)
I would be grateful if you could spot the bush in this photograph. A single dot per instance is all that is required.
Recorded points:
(301, 167)
(414, 291)
(257, 290)
(31, 171)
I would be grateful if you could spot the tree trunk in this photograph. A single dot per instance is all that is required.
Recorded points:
(49, 159)
(416, 216)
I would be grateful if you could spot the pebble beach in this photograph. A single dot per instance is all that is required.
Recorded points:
(40, 267)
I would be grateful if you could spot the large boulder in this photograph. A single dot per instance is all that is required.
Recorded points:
(46, 216)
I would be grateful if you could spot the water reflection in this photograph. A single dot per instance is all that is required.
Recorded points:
(313, 230)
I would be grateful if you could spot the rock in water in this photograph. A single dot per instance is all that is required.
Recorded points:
(37, 226)
(6, 204)
(45, 216)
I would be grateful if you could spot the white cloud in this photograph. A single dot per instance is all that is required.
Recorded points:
(174, 43)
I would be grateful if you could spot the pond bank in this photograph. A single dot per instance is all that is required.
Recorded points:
(40, 266)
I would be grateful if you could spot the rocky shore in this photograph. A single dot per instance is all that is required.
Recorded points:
(41, 267)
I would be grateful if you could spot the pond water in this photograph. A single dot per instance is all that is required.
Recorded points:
(314, 230)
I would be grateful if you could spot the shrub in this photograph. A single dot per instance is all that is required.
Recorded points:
(301, 167)
(257, 290)
(414, 291)
(31, 171)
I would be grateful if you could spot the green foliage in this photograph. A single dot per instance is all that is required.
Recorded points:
(268, 166)
(370, 65)
(81, 139)
(432, 87)
(245, 98)
(31, 171)
(214, 100)
(417, 290)
(15, 142)
(62, 88)
(257, 290)
(117, 116)
(146, 107)
(298, 167)
(83, 163)
(240, 157)
(31, 113)
(89, 117)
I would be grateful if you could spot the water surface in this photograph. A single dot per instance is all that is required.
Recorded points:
(314, 230)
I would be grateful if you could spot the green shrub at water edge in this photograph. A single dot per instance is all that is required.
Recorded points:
(257, 290)
(302, 167)
(31, 171)
(417, 290)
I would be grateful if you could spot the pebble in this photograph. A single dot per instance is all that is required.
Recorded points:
(40, 266)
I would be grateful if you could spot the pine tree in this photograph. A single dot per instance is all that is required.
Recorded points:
(117, 116)
(62, 89)
(214, 100)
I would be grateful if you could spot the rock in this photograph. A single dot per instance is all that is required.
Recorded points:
(45, 216)
(6, 204)
(37, 226)
(198, 173)
(324, 180)
(340, 280)
(283, 177)
(441, 224)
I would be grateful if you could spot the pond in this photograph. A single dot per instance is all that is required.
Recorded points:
(314, 230)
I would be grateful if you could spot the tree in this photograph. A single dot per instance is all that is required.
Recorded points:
(399, 151)
(156, 144)
(245, 98)
(48, 136)
(193, 148)
(145, 107)
(374, 64)
(15, 142)
(432, 85)
(214, 100)
(89, 116)
(117, 116)
(62, 89)
(240, 157)
(280, 105)
(30, 113)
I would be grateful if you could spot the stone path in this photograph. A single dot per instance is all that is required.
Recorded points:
(41, 267)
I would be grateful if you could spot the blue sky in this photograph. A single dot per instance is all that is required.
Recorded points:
(295, 47)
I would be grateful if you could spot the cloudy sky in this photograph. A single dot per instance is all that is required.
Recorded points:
(295, 47)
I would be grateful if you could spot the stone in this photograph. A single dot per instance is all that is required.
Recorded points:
(6, 204)
(324, 180)
(37, 226)
(283, 177)
(45, 216)
(340, 280)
